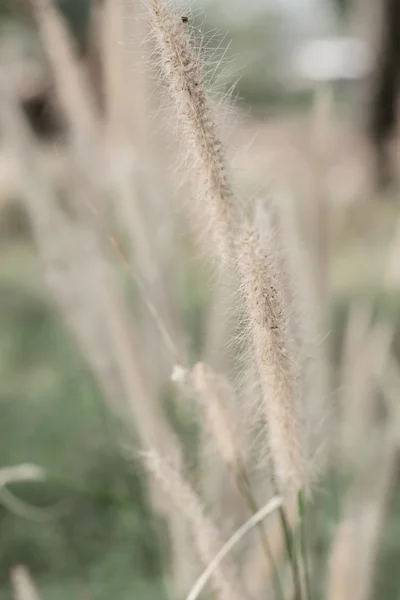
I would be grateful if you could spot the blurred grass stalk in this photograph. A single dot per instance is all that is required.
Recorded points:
(23, 585)
(358, 535)
(71, 247)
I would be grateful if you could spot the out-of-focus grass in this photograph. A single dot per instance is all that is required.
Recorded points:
(103, 542)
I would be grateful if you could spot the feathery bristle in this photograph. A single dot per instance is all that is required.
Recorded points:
(277, 368)
(256, 269)
(184, 76)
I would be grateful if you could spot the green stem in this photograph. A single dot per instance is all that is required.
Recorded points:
(292, 554)
(304, 544)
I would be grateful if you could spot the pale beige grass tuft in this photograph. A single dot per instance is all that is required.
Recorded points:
(278, 370)
(184, 76)
(237, 244)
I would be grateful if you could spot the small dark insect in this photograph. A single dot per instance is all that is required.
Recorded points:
(185, 19)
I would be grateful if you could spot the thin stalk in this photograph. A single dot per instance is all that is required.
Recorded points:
(291, 550)
(244, 487)
(304, 545)
(234, 539)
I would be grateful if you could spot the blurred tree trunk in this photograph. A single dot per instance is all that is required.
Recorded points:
(383, 113)
(378, 22)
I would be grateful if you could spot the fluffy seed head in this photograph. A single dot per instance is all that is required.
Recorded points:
(183, 73)
(260, 282)
(213, 394)
(277, 368)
